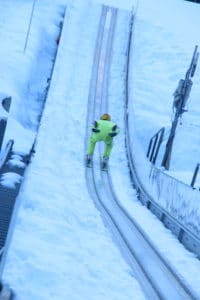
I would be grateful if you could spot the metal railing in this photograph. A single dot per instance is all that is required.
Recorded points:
(3, 124)
(196, 171)
(6, 152)
(154, 145)
(29, 26)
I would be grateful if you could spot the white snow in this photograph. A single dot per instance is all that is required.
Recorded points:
(60, 247)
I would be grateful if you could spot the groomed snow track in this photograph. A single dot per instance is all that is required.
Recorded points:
(147, 264)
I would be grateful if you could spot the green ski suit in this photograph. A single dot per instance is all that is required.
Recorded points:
(103, 130)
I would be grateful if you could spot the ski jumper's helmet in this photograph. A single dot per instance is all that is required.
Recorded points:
(106, 117)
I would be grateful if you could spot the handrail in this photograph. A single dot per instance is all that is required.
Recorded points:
(196, 171)
(4, 154)
(156, 140)
(29, 26)
(3, 124)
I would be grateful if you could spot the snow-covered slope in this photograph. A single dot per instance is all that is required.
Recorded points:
(60, 247)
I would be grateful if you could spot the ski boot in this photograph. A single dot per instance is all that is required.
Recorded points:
(89, 161)
(104, 163)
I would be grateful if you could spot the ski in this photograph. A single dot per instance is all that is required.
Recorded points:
(104, 164)
(88, 161)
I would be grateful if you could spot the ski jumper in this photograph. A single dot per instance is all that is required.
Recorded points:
(103, 130)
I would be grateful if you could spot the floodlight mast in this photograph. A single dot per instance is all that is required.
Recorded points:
(181, 96)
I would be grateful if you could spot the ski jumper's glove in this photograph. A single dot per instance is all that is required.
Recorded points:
(115, 131)
(94, 127)
(112, 134)
(95, 130)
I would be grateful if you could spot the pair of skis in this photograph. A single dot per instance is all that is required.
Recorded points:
(103, 163)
